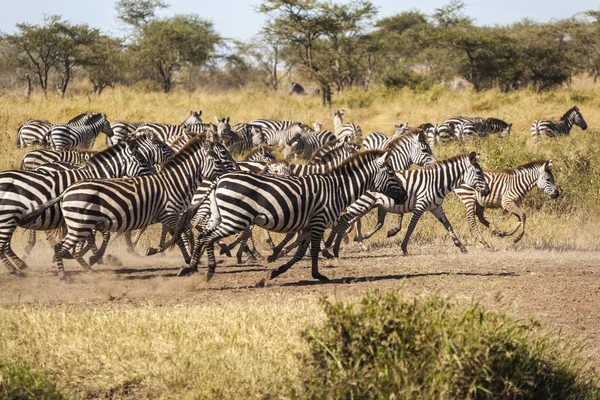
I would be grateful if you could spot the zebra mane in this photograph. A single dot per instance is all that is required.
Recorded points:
(256, 150)
(408, 134)
(447, 161)
(265, 169)
(520, 168)
(190, 147)
(565, 115)
(78, 118)
(355, 158)
(325, 150)
(95, 117)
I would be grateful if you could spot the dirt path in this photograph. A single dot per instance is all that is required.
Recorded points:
(562, 290)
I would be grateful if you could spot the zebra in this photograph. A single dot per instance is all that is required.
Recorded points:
(292, 204)
(193, 123)
(277, 131)
(561, 127)
(271, 124)
(469, 127)
(120, 205)
(342, 131)
(305, 145)
(67, 137)
(440, 133)
(22, 191)
(34, 131)
(241, 137)
(262, 153)
(378, 140)
(37, 158)
(508, 188)
(122, 130)
(426, 189)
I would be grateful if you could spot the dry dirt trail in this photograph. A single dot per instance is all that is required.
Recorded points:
(560, 289)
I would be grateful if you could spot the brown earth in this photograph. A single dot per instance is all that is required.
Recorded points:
(560, 289)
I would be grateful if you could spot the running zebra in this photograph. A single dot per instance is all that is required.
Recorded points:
(508, 188)
(121, 205)
(293, 204)
(561, 127)
(304, 146)
(69, 137)
(426, 189)
(343, 131)
(37, 158)
(378, 140)
(22, 191)
(241, 137)
(34, 131)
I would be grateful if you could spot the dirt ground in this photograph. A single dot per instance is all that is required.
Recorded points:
(560, 289)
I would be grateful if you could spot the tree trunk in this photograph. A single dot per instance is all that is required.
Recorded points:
(326, 94)
(28, 85)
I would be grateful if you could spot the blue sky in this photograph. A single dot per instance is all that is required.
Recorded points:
(237, 18)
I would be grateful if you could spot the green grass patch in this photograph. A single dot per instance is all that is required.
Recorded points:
(17, 382)
(429, 348)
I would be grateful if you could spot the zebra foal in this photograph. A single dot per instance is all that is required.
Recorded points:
(508, 188)
(561, 127)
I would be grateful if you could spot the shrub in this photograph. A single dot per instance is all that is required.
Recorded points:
(21, 383)
(391, 347)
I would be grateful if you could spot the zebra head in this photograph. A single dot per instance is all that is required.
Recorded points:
(193, 118)
(223, 162)
(473, 175)
(545, 180)
(104, 126)
(506, 131)
(258, 136)
(387, 182)
(153, 149)
(136, 159)
(223, 127)
(578, 118)
(291, 146)
(421, 151)
(400, 129)
(318, 125)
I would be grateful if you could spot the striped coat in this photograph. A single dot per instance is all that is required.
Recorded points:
(508, 188)
(69, 137)
(561, 127)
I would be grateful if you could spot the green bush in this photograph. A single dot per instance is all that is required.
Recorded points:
(21, 383)
(392, 347)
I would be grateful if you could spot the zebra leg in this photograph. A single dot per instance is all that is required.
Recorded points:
(63, 247)
(441, 216)
(254, 254)
(269, 240)
(6, 252)
(481, 217)
(381, 213)
(396, 229)
(97, 256)
(513, 208)
(316, 235)
(340, 228)
(414, 219)
(227, 248)
(138, 235)
(129, 243)
(297, 257)
(280, 247)
(31, 241)
(243, 239)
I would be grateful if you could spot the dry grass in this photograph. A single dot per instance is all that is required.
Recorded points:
(249, 347)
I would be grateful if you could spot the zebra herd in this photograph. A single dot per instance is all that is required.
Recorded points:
(185, 177)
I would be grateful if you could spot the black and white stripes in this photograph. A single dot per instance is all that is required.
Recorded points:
(69, 137)
(561, 127)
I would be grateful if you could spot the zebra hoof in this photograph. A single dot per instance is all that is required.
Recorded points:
(321, 278)
(262, 283)
(271, 258)
(501, 234)
(463, 250)
(209, 275)
(327, 254)
(186, 271)
(151, 251)
(486, 246)
(17, 273)
(516, 240)
(357, 238)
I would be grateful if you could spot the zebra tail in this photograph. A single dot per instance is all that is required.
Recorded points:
(187, 216)
(32, 215)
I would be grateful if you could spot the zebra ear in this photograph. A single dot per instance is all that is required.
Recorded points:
(548, 165)
(382, 160)
(200, 113)
(217, 119)
(473, 157)
(227, 119)
(422, 137)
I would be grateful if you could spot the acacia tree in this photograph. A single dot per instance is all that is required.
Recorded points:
(138, 12)
(104, 62)
(307, 26)
(164, 46)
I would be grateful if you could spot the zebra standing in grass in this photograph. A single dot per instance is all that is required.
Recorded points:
(241, 137)
(68, 137)
(305, 145)
(426, 189)
(37, 158)
(22, 191)
(467, 128)
(281, 204)
(440, 133)
(344, 131)
(34, 131)
(120, 205)
(378, 140)
(561, 127)
(508, 188)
